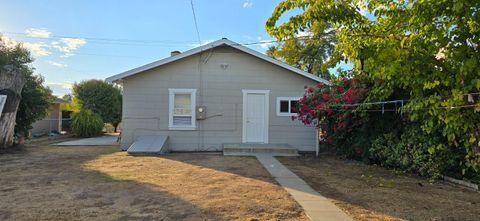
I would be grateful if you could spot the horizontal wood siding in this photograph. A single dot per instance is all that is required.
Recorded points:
(145, 101)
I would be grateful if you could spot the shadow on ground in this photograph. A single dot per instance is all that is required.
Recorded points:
(100, 183)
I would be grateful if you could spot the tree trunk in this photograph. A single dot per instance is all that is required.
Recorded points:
(11, 84)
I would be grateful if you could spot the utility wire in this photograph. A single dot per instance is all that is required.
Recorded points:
(106, 40)
(196, 24)
(141, 42)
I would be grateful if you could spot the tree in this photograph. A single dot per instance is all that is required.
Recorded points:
(67, 97)
(100, 97)
(86, 123)
(429, 49)
(36, 99)
(11, 84)
(311, 53)
(27, 99)
(72, 104)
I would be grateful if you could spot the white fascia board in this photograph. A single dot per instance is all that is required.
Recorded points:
(209, 46)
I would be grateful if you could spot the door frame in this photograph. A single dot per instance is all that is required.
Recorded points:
(266, 93)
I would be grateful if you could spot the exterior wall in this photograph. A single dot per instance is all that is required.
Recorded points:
(52, 122)
(145, 100)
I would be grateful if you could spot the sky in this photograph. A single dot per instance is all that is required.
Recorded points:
(78, 40)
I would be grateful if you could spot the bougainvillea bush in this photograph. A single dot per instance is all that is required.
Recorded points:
(379, 134)
(333, 109)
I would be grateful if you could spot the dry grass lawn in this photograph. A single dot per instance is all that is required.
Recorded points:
(100, 183)
(374, 193)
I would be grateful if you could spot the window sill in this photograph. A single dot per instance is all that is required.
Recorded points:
(182, 128)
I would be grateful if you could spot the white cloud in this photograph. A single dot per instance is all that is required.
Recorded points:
(203, 43)
(56, 64)
(264, 43)
(38, 32)
(303, 34)
(65, 45)
(38, 49)
(247, 4)
(64, 85)
(68, 45)
(60, 88)
(9, 42)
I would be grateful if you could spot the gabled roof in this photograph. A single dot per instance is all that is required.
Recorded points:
(221, 42)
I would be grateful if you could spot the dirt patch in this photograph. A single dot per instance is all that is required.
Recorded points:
(100, 183)
(374, 193)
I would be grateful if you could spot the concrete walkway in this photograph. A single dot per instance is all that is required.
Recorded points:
(108, 140)
(315, 205)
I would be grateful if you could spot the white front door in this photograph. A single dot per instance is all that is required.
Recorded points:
(255, 114)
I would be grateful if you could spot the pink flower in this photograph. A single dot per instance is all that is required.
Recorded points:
(338, 89)
(326, 96)
(321, 106)
(348, 95)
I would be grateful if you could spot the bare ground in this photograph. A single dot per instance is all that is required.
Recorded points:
(100, 183)
(374, 193)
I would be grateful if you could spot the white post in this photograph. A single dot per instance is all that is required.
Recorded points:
(59, 124)
(3, 100)
(317, 147)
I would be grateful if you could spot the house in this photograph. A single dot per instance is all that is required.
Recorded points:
(51, 123)
(218, 93)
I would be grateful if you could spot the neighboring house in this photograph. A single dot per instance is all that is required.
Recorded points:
(51, 123)
(221, 92)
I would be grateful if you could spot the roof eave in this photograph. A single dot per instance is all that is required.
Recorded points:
(121, 76)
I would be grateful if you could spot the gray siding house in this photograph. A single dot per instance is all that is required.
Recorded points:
(221, 92)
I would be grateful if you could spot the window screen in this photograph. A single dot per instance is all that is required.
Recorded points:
(293, 107)
(284, 107)
(182, 113)
(287, 106)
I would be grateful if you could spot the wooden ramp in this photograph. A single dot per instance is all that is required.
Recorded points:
(152, 144)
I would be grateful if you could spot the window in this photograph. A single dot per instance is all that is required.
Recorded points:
(181, 109)
(286, 106)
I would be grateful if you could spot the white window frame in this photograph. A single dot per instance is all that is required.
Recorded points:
(289, 99)
(171, 105)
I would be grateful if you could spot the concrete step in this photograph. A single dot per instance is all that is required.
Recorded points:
(255, 149)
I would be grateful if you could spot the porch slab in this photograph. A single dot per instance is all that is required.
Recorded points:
(316, 206)
(106, 140)
(249, 149)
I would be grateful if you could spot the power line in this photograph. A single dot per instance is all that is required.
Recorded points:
(141, 42)
(195, 20)
(105, 40)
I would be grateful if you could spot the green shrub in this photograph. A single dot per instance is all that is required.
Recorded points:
(108, 128)
(410, 152)
(87, 124)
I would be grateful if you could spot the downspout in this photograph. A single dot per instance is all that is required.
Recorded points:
(200, 101)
